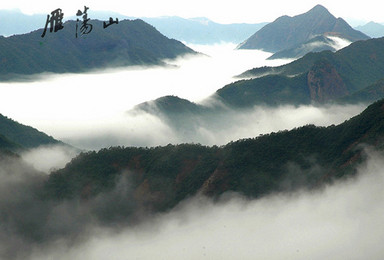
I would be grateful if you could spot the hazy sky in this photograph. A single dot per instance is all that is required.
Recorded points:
(220, 11)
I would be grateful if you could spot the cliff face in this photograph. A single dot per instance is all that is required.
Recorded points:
(325, 83)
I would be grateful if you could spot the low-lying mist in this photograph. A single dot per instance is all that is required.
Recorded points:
(339, 221)
(339, 42)
(138, 128)
(49, 157)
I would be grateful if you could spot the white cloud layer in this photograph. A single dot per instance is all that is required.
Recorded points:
(50, 157)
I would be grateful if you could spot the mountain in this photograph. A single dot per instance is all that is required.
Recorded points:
(183, 115)
(193, 30)
(202, 30)
(372, 29)
(351, 75)
(15, 22)
(316, 44)
(367, 95)
(7, 145)
(170, 105)
(160, 177)
(123, 44)
(316, 77)
(122, 187)
(15, 136)
(287, 32)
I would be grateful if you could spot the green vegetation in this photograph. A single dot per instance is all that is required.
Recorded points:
(127, 43)
(272, 90)
(356, 67)
(15, 136)
(369, 94)
(160, 177)
(8, 145)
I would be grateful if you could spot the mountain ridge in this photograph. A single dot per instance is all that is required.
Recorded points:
(198, 30)
(372, 29)
(17, 137)
(355, 67)
(163, 176)
(286, 32)
(201, 30)
(130, 42)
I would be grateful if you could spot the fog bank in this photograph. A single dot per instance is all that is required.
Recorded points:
(144, 129)
(50, 157)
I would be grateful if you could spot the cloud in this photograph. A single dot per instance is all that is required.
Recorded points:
(91, 112)
(72, 106)
(138, 128)
(339, 43)
(19, 214)
(226, 124)
(50, 157)
(340, 221)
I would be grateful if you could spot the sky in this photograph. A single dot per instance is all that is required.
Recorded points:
(241, 11)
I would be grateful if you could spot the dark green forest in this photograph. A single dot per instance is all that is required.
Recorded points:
(15, 136)
(130, 42)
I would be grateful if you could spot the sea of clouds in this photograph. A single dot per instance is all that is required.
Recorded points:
(91, 111)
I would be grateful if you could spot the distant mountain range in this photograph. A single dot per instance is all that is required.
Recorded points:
(287, 33)
(374, 30)
(130, 42)
(15, 22)
(202, 30)
(193, 30)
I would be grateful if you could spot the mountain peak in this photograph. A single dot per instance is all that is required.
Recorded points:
(319, 11)
(318, 8)
(288, 32)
